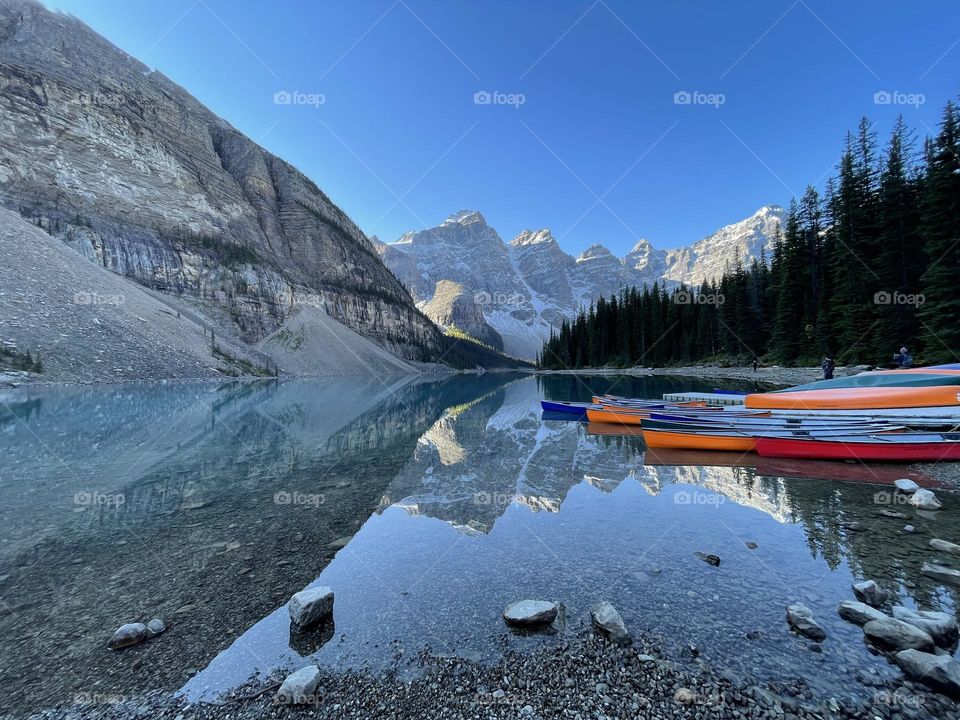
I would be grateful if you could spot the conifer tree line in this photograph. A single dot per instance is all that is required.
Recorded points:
(869, 266)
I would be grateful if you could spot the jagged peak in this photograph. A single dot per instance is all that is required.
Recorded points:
(534, 237)
(642, 246)
(465, 217)
(594, 251)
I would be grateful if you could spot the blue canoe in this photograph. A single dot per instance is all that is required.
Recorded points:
(570, 408)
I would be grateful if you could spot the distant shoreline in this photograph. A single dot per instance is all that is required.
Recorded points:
(774, 375)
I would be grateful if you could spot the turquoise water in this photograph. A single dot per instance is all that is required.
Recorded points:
(428, 507)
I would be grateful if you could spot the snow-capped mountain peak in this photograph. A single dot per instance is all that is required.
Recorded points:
(528, 286)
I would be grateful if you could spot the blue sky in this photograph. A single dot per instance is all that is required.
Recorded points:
(587, 135)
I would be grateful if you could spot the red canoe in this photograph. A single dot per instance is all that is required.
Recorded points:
(897, 447)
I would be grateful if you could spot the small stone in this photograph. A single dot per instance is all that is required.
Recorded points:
(945, 546)
(127, 635)
(858, 613)
(909, 529)
(299, 687)
(709, 559)
(529, 613)
(751, 545)
(155, 627)
(309, 606)
(646, 658)
(609, 622)
(800, 618)
(906, 486)
(852, 526)
(886, 512)
(754, 635)
(941, 573)
(925, 500)
(869, 592)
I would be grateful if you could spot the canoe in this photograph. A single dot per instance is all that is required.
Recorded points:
(730, 442)
(918, 377)
(748, 426)
(559, 406)
(905, 447)
(622, 417)
(942, 397)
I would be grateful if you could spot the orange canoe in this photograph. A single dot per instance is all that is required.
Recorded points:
(875, 398)
(697, 441)
(623, 417)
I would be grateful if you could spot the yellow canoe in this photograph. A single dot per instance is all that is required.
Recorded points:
(697, 441)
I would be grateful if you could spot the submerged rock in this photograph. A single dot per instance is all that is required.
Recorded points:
(941, 573)
(709, 559)
(299, 688)
(945, 546)
(941, 626)
(940, 672)
(909, 529)
(127, 635)
(906, 486)
(751, 545)
(310, 606)
(529, 613)
(606, 619)
(800, 618)
(858, 613)
(853, 526)
(869, 592)
(925, 500)
(892, 634)
(886, 512)
(155, 627)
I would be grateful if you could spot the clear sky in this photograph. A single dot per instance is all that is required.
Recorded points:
(587, 135)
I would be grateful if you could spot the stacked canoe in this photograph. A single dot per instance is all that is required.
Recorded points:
(895, 416)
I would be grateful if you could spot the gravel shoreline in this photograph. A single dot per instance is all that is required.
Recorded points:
(582, 677)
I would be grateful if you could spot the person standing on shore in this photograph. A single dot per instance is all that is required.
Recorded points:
(827, 366)
(903, 359)
(756, 364)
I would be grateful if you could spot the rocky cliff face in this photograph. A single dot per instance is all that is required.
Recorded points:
(530, 285)
(453, 308)
(133, 172)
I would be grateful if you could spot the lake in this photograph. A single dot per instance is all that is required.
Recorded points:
(428, 506)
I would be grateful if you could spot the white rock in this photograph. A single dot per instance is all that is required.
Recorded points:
(941, 573)
(940, 672)
(299, 687)
(907, 486)
(892, 634)
(945, 546)
(941, 626)
(869, 592)
(925, 500)
(606, 619)
(310, 606)
(800, 618)
(527, 613)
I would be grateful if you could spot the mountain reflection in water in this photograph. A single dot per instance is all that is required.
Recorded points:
(428, 507)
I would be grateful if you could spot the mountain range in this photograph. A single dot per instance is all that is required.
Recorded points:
(510, 294)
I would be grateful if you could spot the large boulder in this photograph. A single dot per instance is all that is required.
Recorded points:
(941, 573)
(858, 613)
(309, 606)
(531, 613)
(941, 626)
(892, 634)
(609, 622)
(869, 592)
(299, 688)
(925, 500)
(940, 672)
(800, 618)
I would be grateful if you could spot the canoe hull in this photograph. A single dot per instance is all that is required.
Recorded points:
(695, 441)
(847, 450)
(878, 398)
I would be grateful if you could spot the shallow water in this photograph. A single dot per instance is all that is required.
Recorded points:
(428, 508)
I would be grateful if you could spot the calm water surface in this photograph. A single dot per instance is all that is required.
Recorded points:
(428, 507)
